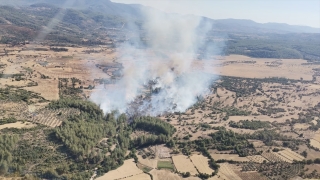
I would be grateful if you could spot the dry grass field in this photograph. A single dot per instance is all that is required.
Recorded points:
(316, 136)
(128, 169)
(227, 171)
(147, 162)
(289, 68)
(184, 164)
(18, 125)
(300, 126)
(142, 176)
(201, 163)
(251, 176)
(168, 175)
(164, 174)
(289, 154)
(234, 157)
(315, 143)
(47, 89)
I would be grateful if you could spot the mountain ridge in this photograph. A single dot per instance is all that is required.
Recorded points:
(132, 11)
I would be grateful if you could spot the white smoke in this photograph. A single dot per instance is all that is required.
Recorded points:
(173, 43)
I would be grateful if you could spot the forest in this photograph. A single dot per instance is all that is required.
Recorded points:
(83, 142)
(282, 46)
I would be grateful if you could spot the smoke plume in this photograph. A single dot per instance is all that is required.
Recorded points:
(166, 75)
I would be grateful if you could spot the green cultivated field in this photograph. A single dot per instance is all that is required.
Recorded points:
(165, 165)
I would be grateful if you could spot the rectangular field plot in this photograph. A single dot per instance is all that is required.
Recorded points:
(144, 168)
(47, 88)
(251, 176)
(286, 156)
(142, 176)
(17, 125)
(317, 137)
(227, 171)
(275, 157)
(164, 175)
(315, 143)
(234, 157)
(183, 164)
(291, 155)
(147, 162)
(201, 163)
(128, 169)
(165, 165)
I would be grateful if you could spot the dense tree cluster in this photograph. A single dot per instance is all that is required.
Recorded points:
(18, 95)
(229, 140)
(160, 131)
(247, 86)
(153, 125)
(8, 120)
(91, 109)
(7, 144)
(147, 140)
(80, 135)
(56, 49)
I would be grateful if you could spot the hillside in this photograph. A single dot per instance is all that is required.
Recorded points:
(249, 26)
(97, 90)
(132, 11)
(92, 23)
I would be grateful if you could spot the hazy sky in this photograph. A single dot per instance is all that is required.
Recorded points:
(294, 12)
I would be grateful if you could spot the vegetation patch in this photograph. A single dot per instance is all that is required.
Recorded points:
(165, 165)
(253, 124)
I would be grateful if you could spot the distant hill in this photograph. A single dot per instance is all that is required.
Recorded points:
(131, 11)
(97, 22)
(98, 6)
(249, 26)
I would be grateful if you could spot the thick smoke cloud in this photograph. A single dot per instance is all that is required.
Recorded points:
(169, 62)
